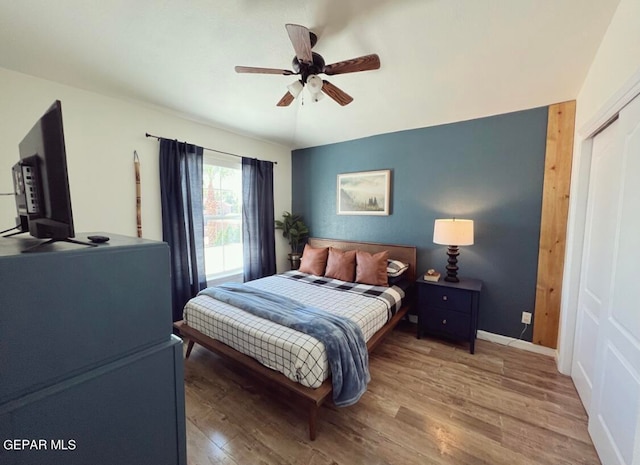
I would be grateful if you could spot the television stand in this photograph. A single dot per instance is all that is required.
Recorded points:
(51, 241)
(22, 226)
(14, 233)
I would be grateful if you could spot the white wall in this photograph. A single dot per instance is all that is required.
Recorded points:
(101, 134)
(618, 57)
(615, 66)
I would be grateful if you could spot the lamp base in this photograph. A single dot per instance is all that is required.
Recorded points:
(452, 267)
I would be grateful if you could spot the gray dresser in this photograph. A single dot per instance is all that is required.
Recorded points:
(89, 369)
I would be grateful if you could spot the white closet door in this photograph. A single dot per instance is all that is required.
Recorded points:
(597, 262)
(607, 366)
(615, 407)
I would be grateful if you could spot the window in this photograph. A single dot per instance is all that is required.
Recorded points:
(222, 192)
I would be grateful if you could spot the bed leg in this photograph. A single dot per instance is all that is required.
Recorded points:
(189, 348)
(313, 415)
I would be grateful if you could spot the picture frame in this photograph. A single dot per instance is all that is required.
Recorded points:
(364, 193)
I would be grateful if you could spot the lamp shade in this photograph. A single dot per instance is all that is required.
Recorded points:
(453, 232)
(295, 88)
(314, 84)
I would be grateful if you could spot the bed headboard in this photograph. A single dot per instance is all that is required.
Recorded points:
(404, 253)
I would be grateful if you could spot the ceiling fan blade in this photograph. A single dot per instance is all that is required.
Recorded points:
(363, 63)
(251, 69)
(286, 100)
(301, 40)
(336, 94)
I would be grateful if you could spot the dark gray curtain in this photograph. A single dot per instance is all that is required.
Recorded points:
(182, 219)
(258, 226)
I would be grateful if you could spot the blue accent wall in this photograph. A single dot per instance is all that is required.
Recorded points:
(489, 170)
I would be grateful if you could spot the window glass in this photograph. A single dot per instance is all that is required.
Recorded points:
(222, 191)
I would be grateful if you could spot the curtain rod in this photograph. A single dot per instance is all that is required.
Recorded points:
(205, 148)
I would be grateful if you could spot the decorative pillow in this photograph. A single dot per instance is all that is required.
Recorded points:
(372, 269)
(395, 268)
(313, 260)
(341, 264)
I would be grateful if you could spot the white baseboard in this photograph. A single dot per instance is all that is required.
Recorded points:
(506, 340)
(518, 344)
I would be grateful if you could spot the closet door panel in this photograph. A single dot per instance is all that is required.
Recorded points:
(614, 413)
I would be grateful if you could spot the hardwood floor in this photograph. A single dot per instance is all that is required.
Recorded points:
(429, 402)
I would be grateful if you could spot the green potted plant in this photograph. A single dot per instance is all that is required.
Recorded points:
(295, 231)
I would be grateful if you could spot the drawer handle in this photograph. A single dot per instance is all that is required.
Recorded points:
(444, 322)
(444, 297)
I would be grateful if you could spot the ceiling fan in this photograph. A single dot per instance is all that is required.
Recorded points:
(308, 65)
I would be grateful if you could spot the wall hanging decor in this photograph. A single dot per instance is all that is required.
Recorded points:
(364, 193)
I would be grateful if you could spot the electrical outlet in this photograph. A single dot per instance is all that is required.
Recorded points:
(526, 318)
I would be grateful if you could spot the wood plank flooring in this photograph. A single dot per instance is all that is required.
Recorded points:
(429, 402)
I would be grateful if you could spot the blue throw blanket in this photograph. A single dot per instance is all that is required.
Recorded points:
(342, 338)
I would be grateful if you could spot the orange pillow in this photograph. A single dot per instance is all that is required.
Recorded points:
(372, 269)
(313, 261)
(341, 264)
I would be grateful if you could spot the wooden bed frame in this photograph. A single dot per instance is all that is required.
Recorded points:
(310, 397)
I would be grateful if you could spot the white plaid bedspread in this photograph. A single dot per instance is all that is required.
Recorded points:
(298, 356)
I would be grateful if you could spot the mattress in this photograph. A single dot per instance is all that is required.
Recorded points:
(298, 356)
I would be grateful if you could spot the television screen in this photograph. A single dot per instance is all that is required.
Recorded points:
(41, 184)
(43, 199)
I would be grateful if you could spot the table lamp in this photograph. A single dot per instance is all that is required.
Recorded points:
(453, 233)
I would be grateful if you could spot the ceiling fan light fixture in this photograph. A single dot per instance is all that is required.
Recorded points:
(314, 84)
(295, 88)
(308, 64)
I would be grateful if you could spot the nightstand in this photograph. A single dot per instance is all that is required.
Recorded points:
(449, 310)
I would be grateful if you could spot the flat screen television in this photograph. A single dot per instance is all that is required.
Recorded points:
(40, 180)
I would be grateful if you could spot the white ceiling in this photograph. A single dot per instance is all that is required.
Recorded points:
(441, 60)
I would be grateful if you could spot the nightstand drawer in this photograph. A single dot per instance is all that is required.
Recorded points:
(447, 298)
(449, 309)
(454, 324)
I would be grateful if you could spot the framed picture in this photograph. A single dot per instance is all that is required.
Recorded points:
(364, 193)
